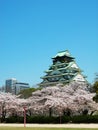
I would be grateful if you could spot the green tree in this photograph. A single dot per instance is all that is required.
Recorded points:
(26, 93)
(96, 77)
(95, 86)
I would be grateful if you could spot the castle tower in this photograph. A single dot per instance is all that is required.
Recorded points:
(63, 70)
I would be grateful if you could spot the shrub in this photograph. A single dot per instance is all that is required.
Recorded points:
(54, 120)
(85, 119)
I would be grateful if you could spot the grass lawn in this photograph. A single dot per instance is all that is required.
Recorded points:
(32, 128)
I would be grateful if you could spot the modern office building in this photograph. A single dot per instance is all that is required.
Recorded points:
(21, 86)
(2, 89)
(14, 87)
(63, 70)
(10, 85)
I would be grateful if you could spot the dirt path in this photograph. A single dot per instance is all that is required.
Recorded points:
(54, 125)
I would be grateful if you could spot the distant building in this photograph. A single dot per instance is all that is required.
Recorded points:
(21, 86)
(2, 89)
(14, 87)
(63, 70)
(10, 85)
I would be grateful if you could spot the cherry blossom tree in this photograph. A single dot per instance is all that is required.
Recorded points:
(11, 105)
(71, 99)
(74, 98)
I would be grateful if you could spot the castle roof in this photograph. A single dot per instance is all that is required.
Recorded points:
(63, 53)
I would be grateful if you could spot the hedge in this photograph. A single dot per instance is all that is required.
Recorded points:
(47, 119)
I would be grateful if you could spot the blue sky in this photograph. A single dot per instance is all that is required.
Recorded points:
(33, 31)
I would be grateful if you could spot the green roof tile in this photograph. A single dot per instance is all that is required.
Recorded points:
(63, 53)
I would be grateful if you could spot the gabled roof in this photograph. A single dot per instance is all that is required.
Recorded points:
(62, 53)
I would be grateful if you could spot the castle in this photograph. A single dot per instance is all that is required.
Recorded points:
(63, 70)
